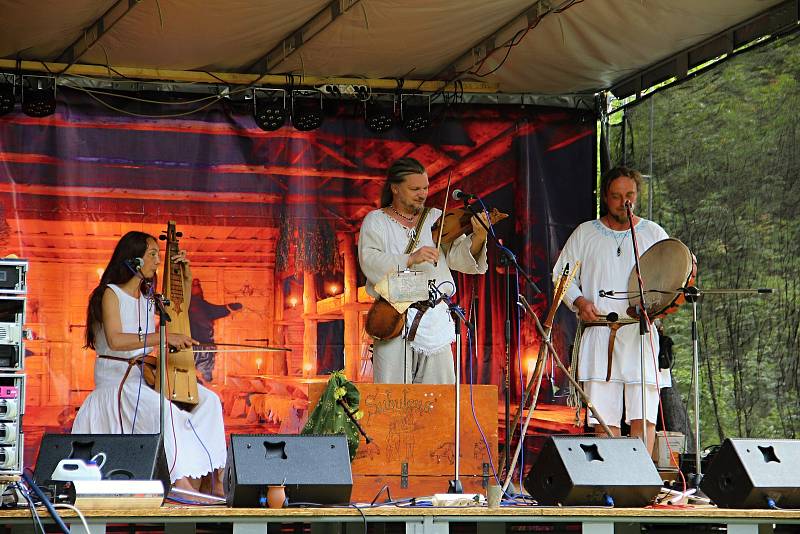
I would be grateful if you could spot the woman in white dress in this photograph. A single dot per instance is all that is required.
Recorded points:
(120, 326)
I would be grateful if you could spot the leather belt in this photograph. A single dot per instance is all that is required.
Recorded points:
(614, 327)
(421, 308)
(131, 362)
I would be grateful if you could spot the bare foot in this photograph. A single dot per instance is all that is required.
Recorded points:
(184, 484)
(205, 484)
(219, 486)
(211, 483)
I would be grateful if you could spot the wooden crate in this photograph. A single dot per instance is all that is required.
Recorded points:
(413, 447)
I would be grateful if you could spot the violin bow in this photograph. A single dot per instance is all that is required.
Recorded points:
(219, 351)
(212, 347)
(444, 209)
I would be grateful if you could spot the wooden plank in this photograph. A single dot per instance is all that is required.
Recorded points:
(555, 513)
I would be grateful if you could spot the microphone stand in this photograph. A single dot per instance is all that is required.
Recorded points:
(454, 486)
(507, 258)
(693, 295)
(161, 302)
(644, 327)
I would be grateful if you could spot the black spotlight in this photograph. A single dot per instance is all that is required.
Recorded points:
(8, 95)
(38, 100)
(306, 110)
(379, 115)
(270, 111)
(415, 113)
(7, 98)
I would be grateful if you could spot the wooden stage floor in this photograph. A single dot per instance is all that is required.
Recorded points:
(418, 520)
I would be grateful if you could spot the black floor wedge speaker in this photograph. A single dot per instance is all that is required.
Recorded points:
(128, 456)
(755, 473)
(592, 471)
(314, 469)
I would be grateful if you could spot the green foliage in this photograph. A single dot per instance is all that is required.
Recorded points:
(329, 416)
(725, 169)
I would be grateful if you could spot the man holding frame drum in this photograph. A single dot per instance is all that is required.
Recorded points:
(609, 358)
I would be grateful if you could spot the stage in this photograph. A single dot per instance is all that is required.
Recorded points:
(419, 520)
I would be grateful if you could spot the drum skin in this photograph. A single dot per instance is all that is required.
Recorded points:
(667, 267)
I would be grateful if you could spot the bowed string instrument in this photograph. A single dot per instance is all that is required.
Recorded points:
(457, 221)
(181, 379)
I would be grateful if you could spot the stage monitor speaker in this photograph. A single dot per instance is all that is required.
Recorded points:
(753, 473)
(128, 457)
(593, 471)
(314, 469)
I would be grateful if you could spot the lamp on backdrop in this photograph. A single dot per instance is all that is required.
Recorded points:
(306, 110)
(415, 112)
(8, 95)
(39, 99)
(269, 108)
(379, 115)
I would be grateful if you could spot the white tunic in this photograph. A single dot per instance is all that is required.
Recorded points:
(187, 435)
(595, 246)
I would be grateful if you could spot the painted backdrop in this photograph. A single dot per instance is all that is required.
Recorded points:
(270, 222)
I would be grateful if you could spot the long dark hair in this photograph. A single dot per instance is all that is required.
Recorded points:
(397, 175)
(119, 270)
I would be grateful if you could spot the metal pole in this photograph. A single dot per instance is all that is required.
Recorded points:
(455, 485)
(644, 386)
(162, 373)
(696, 380)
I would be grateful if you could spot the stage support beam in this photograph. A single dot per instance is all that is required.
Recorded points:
(230, 78)
(780, 19)
(479, 51)
(96, 30)
(296, 39)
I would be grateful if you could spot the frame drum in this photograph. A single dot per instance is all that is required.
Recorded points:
(666, 267)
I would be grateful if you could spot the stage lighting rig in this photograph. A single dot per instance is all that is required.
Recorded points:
(307, 109)
(415, 112)
(269, 108)
(39, 98)
(8, 94)
(379, 115)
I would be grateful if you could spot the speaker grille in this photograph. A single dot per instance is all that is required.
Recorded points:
(587, 471)
(314, 469)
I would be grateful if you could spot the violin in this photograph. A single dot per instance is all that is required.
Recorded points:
(457, 221)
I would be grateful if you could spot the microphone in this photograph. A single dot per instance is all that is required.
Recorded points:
(628, 204)
(458, 194)
(135, 264)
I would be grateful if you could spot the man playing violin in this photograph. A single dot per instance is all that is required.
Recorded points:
(422, 352)
(609, 358)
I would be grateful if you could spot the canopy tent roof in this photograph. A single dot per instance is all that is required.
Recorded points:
(560, 48)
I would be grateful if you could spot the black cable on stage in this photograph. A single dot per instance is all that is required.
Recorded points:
(47, 504)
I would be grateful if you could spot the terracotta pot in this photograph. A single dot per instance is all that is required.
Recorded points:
(276, 496)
